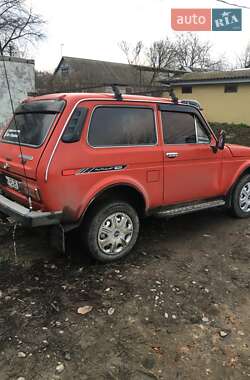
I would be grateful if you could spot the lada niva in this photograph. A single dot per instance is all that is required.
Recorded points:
(102, 162)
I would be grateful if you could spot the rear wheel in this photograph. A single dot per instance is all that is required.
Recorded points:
(241, 198)
(112, 231)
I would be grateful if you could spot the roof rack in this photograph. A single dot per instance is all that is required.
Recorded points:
(172, 94)
(164, 88)
(117, 92)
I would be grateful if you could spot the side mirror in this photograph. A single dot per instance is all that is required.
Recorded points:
(221, 139)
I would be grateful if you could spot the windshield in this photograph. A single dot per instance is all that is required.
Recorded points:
(32, 122)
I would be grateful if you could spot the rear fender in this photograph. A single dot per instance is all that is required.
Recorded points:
(107, 184)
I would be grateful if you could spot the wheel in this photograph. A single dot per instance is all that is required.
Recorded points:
(241, 198)
(112, 231)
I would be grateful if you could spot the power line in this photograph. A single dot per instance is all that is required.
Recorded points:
(233, 4)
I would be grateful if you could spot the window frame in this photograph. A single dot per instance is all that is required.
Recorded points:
(123, 146)
(189, 110)
(196, 132)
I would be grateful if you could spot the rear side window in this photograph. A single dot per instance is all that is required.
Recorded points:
(122, 126)
(32, 122)
(178, 128)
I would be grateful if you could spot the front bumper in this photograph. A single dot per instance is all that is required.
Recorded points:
(26, 217)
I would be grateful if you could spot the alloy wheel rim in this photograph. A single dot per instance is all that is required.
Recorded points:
(115, 233)
(244, 200)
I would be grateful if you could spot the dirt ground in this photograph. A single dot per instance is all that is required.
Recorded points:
(178, 308)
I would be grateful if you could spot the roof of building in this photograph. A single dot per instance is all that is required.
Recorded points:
(16, 59)
(212, 77)
(104, 72)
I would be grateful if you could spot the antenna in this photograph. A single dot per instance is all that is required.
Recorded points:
(117, 92)
(15, 124)
(62, 46)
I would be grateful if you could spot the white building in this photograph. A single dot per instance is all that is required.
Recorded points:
(21, 75)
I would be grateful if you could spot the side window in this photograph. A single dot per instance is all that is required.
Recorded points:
(178, 128)
(122, 126)
(202, 136)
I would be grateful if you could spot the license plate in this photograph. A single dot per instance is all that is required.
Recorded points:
(13, 183)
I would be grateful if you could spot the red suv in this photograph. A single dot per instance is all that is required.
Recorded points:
(101, 162)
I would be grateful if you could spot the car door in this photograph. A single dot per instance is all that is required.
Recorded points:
(192, 167)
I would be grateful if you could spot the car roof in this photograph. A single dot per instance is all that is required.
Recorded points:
(75, 97)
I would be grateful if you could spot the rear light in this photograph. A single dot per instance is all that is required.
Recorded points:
(30, 191)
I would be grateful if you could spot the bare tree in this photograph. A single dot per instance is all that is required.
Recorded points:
(162, 54)
(18, 24)
(243, 61)
(193, 53)
(132, 53)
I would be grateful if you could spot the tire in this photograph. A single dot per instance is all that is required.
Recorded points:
(241, 198)
(111, 231)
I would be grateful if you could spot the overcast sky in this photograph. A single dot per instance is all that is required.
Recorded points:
(93, 28)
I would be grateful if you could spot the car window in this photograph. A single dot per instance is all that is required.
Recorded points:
(178, 128)
(122, 126)
(32, 122)
(29, 128)
(183, 128)
(202, 136)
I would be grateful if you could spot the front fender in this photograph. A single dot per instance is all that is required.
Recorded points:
(244, 168)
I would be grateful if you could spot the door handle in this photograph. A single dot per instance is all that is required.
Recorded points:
(172, 154)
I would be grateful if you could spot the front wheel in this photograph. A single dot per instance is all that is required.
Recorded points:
(112, 231)
(241, 198)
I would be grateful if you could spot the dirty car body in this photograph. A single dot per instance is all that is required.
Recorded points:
(92, 162)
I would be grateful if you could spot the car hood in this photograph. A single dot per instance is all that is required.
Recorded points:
(239, 150)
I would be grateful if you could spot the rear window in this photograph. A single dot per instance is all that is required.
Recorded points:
(32, 122)
(122, 126)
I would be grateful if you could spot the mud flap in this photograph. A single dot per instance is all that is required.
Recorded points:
(57, 238)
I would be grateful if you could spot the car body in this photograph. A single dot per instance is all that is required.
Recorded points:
(100, 163)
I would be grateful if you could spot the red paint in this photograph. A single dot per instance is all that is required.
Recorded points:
(68, 172)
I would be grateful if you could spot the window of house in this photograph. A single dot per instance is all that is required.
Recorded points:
(122, 126)
(183, 128)
(129, 90)
(187, 89)
(231, 88)
(65, 69)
